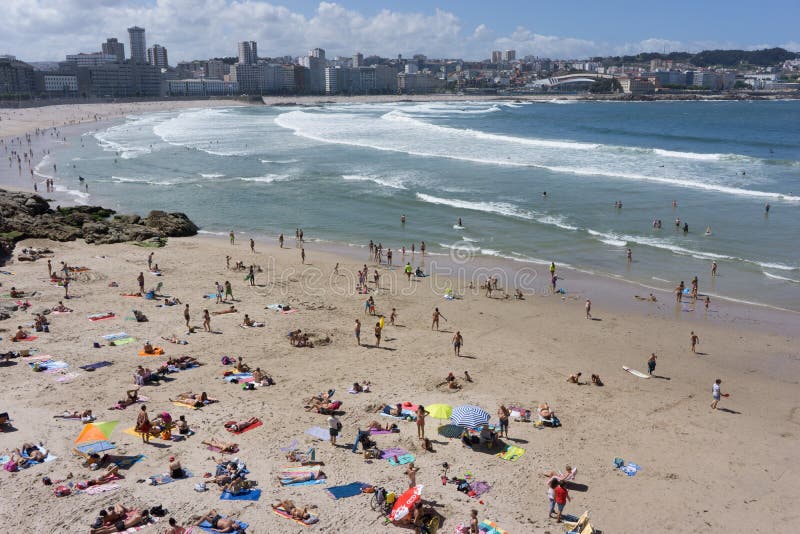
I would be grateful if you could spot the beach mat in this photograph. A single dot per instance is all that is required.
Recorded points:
(348, 490)
(164, 478)
(319, 433)
(375, 432)
(95, 447)
(121, 341)
(511, 453)
(247, 495)
(118, 335)
(251, 427)
(205, 525)
(29, 338)
(307, 482)
(96, 365)
(490, 527)
(286, 515)
(392, 451)
(101, 318)
(401, 460)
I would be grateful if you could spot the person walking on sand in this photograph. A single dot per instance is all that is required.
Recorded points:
(232, 237)
(220, 290)
(228, 291)
(186, 315)
(357, 332)
(716, 393)
(436, 315)
(378, 334)
(408, 271)
(392, 316)
(334, 427)
(503, 414)
(421, 413)
(140, 280)
(651, 363)
(150, 261)
(458, 340)
(302, 255)
(252, 276)
(280, 241)
(49, 269)
(588, 309)
(143, 425)
(561, 498)
(252, 246)
(411, 472)
(552, 268)
(694, 341)
(206, 321)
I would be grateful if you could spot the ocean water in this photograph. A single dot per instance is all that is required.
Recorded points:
(347, 172)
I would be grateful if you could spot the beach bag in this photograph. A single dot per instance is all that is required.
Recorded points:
(200, 487)
(62, 491)
(339, 426)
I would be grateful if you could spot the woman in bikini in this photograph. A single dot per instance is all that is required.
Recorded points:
(238, 427)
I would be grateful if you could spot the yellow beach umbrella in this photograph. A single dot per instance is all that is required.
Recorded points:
(440, 411)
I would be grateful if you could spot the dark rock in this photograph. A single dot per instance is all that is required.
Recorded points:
(24, 215)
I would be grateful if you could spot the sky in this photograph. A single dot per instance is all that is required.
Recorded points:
(47, 30)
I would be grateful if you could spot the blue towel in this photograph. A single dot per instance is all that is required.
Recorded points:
(247, 495)
(96, 447)
(319, 433)
(205, 525)
(348, 490)
(308, 482)
(96, 365)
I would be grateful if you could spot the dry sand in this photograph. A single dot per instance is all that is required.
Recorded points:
(701, 470)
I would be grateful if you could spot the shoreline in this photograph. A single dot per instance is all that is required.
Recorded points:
(608, 290)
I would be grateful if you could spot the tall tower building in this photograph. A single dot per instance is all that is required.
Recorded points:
(509, 55)
(112, 47)
(497, 56)
(137, 44)
(248, 52)
(157, 56)
(358, 60)
(318, 53)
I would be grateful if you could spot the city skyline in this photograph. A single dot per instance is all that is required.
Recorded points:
(447, 29)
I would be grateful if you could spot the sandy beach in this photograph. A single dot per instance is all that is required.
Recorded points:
(729, 469)
(518, 353)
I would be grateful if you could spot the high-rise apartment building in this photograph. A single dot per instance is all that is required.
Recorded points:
(358, 60)
(497, 56)
(248, 52)
(509, 55)
(157, 56)
(138, 45)
(318, 53)
(216, 69)
(112, 47)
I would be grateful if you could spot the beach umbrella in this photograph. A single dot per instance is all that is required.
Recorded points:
(404, 503)
(451, 431)
(96, 432)
(440, 411)
(469, 416)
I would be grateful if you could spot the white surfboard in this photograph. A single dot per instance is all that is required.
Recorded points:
(634, 372)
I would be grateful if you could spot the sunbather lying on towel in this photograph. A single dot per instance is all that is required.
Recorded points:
(136, 518)
(174, 339)
(568, 474)
(262, 379)
(324, 407)
(32, 452)
(545, 412)
(238, 485)
(16, 293)
(396, 410)
(219, 523)
(194, 399)
(131, 396)
(111, 473)
(294, 511)
(84, 416)
(250, 323)
(183, 362)
(232, 309)
(61, 308)
(322, 397)
(111, 515)
(375, 425)
(233, 426)
(302, 477)
(223, 446)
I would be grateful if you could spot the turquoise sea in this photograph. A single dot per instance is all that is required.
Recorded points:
(346, 173)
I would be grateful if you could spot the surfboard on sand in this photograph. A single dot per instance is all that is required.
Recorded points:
(634, 372)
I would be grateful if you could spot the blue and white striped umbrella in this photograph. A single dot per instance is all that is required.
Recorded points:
(469, 416)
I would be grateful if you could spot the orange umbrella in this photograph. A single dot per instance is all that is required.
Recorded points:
(405, 503)
(96, 432)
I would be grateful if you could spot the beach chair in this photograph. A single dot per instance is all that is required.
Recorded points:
(579, 526)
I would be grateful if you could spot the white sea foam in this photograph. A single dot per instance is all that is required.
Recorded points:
(778, 277)
(501, 208)
(212, 175)
(267, 179)
(392, 183)
(280, 161)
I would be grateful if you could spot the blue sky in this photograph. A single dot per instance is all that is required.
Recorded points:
(39, 30)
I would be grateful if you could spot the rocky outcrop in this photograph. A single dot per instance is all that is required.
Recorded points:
(24, 215)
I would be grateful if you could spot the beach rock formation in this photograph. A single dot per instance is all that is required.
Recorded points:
(25, 215)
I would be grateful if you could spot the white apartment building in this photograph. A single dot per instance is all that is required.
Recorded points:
(157, 56)
(91, 60)
(57, 83)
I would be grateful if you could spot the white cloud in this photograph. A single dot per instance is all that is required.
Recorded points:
(49, 29)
